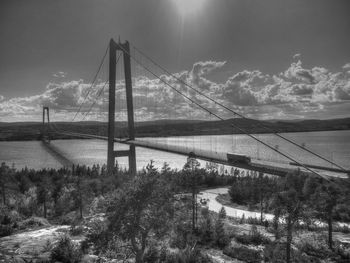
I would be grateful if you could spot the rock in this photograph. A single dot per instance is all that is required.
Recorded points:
(89, 259)
(31, 244)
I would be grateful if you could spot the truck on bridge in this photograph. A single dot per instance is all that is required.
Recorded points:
(238, 158)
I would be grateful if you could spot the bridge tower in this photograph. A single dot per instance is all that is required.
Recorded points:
(111, 153)
(45, 128)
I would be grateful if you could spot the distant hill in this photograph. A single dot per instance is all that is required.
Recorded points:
(161, 128)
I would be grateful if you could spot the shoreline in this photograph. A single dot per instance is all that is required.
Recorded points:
(37, 137)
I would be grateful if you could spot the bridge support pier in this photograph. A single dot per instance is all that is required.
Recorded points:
(111, 153)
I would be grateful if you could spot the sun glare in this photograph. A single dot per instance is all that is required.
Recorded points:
(188, 6)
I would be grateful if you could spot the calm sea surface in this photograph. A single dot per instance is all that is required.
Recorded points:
(334, 145)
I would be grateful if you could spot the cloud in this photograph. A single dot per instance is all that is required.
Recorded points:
(297, 56)
(301, 90)
(296, 92)
(241, 76)
(346, 66)
(296, 71)
(238, 93)
(60, 74)
(199, 71)
(203, 68)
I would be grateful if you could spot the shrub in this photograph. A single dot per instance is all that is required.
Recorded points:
(243, 253)
(253, 221)
(221, 238)
(151, 254)
(275, 252)
(344, 229)
(222, 213)
(27, 205)
(9, 217)
(5, 230)
(76, 230)
(68, 219)
(188, 255)
(163, 252)
(181, 234)
(242, 219)
(66, 251)
(114, 249)
(314, 244)
(99, 205)
(33, 222)
(206, 231)
(343, 253)
(97, 235)
(253, 238)
(222, 241)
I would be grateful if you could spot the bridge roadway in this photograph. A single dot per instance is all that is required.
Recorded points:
(275, 168)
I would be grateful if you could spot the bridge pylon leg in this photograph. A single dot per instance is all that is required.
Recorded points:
(111, 106)
(111, 153)
(44, 131)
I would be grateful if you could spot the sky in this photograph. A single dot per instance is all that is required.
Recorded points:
(266, 59)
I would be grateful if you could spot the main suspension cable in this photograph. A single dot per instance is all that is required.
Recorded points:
(99, 94)
(92, 83)
(235, 112)
(220, 118)
(93, 104)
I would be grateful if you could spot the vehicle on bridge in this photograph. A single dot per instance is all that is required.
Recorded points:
(238, 158)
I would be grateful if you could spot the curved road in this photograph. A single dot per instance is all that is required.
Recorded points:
(215, 206)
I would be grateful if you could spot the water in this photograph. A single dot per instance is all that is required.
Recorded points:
(334, 145)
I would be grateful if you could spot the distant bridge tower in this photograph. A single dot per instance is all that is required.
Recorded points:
(111, 153)
(45, 128)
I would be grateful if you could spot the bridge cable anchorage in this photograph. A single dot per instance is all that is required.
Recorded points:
(220, 118)
(98, 95)
(238, 114)
(92, 83)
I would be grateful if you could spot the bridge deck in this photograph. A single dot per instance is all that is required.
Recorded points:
(274, 168)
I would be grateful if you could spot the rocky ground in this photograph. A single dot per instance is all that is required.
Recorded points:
(30, 244)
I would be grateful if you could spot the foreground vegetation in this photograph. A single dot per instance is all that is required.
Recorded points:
(151, 218)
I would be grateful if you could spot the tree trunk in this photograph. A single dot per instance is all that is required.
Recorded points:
(81, 207)
(138, 252)
(81, 211)
(139, 257)
(289, 240)
(261, 209)
(3, 195)
(330, 230)
(45, 208)
(276, 219)
(196, 209)
(193, 211)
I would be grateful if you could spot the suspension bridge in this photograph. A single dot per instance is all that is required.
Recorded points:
(159, 90)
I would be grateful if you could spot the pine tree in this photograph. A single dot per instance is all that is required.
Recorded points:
(221, 239)
(222, 213)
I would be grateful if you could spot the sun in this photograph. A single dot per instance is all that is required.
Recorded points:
(186, 7)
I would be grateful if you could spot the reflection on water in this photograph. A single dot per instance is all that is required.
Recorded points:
(334, 145)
